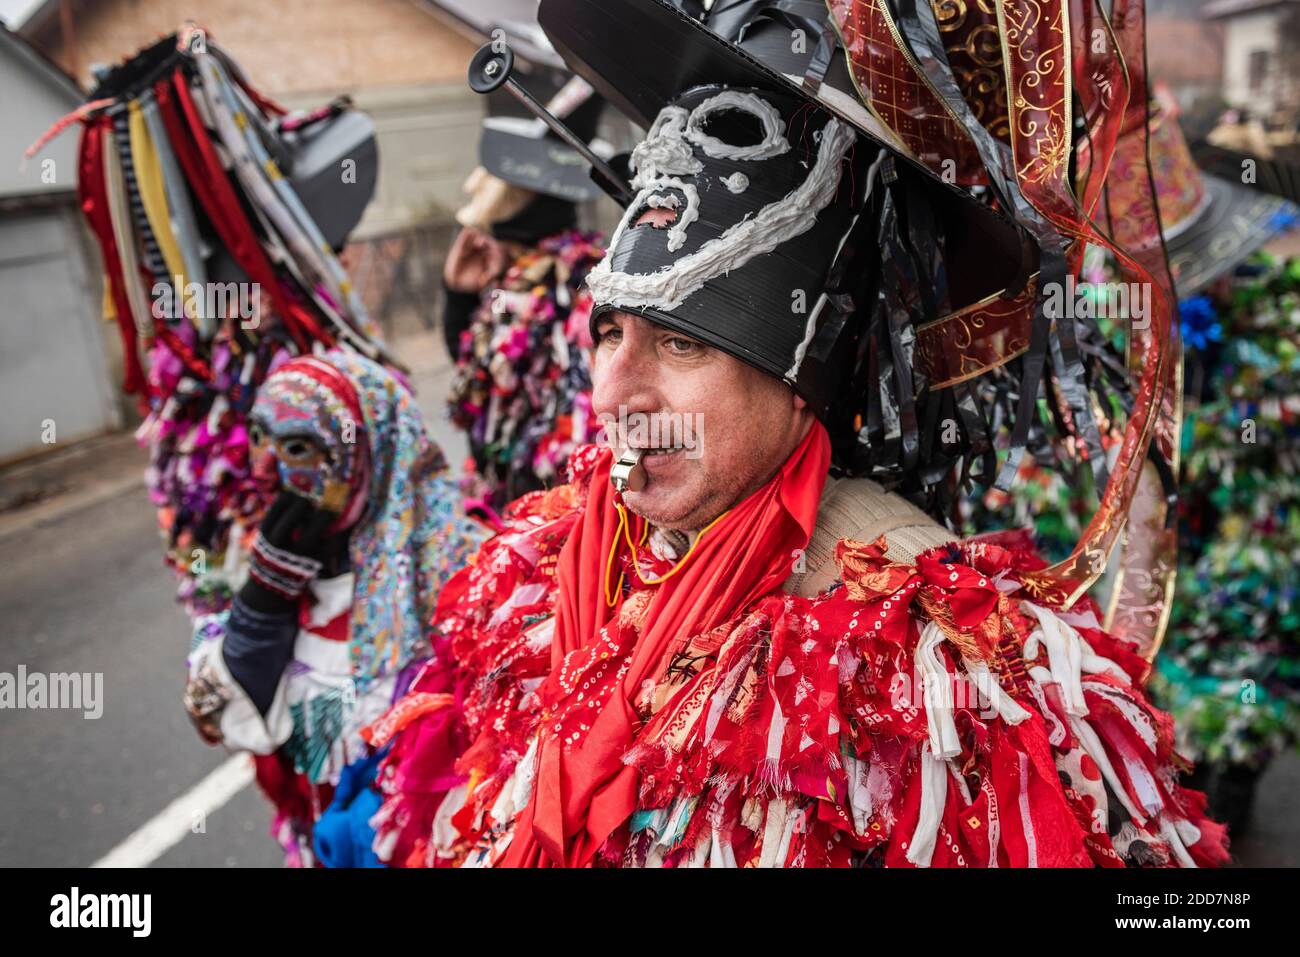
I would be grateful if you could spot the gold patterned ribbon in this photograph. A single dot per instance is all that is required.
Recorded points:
(1036, 44)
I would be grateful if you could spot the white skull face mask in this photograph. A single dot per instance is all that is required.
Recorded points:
(735, 186)
(742, 206)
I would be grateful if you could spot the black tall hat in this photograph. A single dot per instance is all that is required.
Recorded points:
(1210, 225)
(775, 203)
(639, 54)
(517, 147)
(514, 146)
(310, 153)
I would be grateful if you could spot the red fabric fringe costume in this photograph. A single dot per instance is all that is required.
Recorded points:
(935, 714)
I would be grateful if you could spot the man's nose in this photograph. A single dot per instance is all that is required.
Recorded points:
(625, 380)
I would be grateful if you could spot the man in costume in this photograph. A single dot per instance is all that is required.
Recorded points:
(515, 318)
(217, 214)
(713, 654)
(359, 532)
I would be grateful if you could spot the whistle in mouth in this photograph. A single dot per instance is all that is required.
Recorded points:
(628, 475)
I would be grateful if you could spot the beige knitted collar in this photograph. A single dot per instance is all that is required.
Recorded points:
(861, 510)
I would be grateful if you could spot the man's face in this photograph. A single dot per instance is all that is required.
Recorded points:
(742, 424)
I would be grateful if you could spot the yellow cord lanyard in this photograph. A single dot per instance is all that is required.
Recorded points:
(612, 599)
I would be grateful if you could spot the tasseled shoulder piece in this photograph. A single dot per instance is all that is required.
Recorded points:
(933, 712)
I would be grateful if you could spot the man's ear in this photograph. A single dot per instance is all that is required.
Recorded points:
(799, 402)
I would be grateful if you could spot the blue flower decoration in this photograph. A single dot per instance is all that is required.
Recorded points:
(1199, 322)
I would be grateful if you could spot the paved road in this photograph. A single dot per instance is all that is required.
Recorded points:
(87, 592)
(84, 589)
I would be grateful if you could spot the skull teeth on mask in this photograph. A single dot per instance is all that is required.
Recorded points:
(719, 187)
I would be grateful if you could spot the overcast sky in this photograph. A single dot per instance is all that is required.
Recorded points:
(13, 12)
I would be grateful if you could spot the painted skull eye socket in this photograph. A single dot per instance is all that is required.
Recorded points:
(257, 437)
(733, 127)
(737, 126)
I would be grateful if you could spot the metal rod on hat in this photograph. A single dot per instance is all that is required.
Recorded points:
(490, 68)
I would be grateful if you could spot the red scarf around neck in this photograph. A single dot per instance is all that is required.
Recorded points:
(583, 791)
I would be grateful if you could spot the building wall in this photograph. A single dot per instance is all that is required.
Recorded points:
(286, 46)
(53, 365)
(31, 101)
(1244, 34)
(398, 62)
(1186, 55)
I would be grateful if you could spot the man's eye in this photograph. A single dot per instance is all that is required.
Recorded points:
(611, 336)
(683, 346)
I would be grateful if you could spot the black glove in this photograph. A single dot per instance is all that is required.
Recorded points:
(292, 546)
(458, 310)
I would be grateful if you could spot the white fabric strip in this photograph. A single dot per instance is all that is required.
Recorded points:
(936, 685)
(934, 794)
(1064, 656)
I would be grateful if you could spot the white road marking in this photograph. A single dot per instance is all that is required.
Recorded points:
(176, 821)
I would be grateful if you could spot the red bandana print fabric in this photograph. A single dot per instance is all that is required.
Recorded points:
(930, 714)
